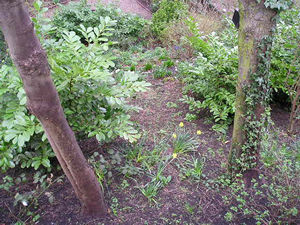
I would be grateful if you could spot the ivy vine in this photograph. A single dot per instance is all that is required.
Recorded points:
(258, 91)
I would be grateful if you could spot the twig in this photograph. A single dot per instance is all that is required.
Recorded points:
(18, 219)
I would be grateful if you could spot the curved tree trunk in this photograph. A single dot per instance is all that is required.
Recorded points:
(256, 24)
(43, 101)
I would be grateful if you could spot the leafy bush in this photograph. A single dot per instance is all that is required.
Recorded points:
(18, 127)
(94, 98)
(286, 54)
(127, 30)
(210, 81)
(168, 11)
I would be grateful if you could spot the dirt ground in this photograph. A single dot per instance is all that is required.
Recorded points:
(127, 205)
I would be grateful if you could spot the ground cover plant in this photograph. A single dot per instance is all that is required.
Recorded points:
(157, 153)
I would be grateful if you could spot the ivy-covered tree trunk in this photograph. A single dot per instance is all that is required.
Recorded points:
(257, 23)
(43, 101)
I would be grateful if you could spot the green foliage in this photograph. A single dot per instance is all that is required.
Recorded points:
(184, 142)
(127, 30)
(277, 185)
(279, 5)
(158, 182)
(168, 11)
(195, 39)
(285, 53)
(79, 82)
(148, 67)
(94, 99)
(190, 117)
(193, 169)
(211, 79)
(161, 72)
(147, 158)
(18, 126)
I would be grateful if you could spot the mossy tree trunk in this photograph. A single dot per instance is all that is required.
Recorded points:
(256, 26)
(43, 101)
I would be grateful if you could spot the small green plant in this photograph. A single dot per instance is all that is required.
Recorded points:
(148, 158)
(161, 72)
(99, 166)
(132, 68)
(159, 181)
(184, 142)
(150, 191)
(148, 67)
(189, 208)
(190, 117)
(169, 63)
(193, 169)
(172, 105)
(115, 205)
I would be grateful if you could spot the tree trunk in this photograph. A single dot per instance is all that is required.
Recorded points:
(256, 27)
(43, 101)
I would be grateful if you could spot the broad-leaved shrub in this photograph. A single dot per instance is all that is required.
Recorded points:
(127, 30)
(94, 98)
(211, 79)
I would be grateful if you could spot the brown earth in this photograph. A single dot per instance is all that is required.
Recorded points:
(127, 203)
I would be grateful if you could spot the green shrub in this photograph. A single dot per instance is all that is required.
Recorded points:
(94, 98)
(286, 52)
(210, 81)
(168, 11)
(127, 31)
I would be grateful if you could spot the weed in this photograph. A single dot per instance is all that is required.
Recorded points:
(148, 67)
(169, 63)
(161, 72)
(189, 208)
(114, 205)
(150, 191)
(132, 68)
(190, 117)
(193, 169)
(171, 105)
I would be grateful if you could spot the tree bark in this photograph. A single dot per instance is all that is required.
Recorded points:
(256, 23)
(43, 101)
